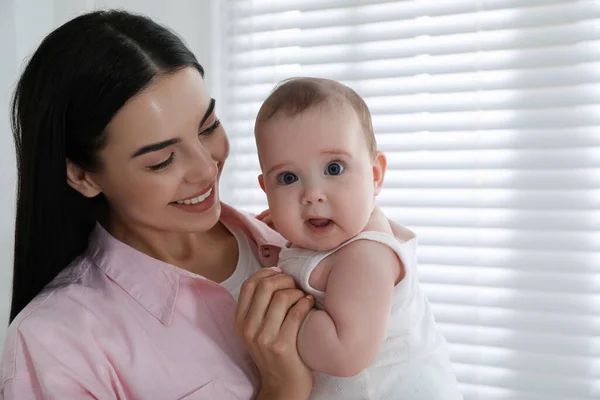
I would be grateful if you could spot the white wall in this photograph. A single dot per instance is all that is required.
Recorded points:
(23, 24)
(8, 70)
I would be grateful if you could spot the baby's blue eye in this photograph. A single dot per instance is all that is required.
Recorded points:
(287, 178)
(334, 168)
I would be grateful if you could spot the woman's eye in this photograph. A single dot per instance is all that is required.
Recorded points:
(163, 164)
(334, 168)
(211, 128)
(287, 178)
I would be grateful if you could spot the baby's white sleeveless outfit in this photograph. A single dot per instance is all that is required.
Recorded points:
(413, 362)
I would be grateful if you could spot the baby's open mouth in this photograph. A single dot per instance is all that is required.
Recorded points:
(320, 222)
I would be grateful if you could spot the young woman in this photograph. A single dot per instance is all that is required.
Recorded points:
(127, 266)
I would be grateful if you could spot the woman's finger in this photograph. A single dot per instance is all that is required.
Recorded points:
(263, 297)
(263, 214)
(257, 298)
(265, 217)
(281, 304)
(295, 318)
(246, 296)
(269, 221)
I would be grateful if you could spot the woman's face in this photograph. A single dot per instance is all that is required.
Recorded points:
(165, 153)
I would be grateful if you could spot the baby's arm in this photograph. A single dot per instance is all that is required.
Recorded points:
(344, 338)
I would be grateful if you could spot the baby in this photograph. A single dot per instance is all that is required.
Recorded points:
(373, 335)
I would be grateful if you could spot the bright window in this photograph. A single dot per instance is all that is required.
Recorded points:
(489, 113)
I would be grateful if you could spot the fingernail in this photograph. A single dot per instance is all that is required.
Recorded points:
(310, 297)
(276, 269)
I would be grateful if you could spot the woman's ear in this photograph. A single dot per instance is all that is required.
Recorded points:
(379, 167)
(81, 180)
(261, 182)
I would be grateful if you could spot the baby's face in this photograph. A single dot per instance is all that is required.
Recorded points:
(318, 175)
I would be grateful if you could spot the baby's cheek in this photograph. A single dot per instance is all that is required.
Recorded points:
(276, 203)
(279, 214)
(353, 201)
(357, 211)
(287, 229)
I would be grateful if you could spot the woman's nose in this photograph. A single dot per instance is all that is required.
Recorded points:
(202, 167)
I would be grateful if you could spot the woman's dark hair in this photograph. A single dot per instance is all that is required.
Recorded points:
(76, 81)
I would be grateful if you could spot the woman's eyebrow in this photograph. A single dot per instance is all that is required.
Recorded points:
(155, 147)
(162, 145)
(209, 110)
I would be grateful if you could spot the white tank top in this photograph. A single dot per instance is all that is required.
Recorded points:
(413, 361)
(247, 263)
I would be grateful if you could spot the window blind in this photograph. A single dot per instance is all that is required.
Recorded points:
(489, 113)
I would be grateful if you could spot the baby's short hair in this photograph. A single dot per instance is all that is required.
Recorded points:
(296, 95)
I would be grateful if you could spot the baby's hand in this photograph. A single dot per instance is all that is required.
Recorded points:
(265, 217)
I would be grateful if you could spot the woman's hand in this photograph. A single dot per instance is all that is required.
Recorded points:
(269, 315)
(265, 217)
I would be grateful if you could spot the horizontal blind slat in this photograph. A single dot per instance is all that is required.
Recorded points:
(536, 15)
(555, 97)
(542, 281)
(467, 198)
(411, 9)
(529, 362)
(519, 320)
(508, 159)
(579, 116)
(426, 64)
(549, 259)
(552, 138)
(383, 30)
(533, 301)
(482, 81)
(581, 178)
(533, 219)
(528, 382)
(477, 391)
(384, 49)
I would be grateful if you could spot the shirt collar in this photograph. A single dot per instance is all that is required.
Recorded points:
(154, 284)
(267, 243)
(151, 282)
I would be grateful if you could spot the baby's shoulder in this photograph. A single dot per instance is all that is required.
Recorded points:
(370, 245)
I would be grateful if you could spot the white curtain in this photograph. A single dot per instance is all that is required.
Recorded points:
(489, 113)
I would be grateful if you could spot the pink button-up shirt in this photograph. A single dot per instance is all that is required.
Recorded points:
(118, 324)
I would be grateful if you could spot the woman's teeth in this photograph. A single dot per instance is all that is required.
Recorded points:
(196, 200)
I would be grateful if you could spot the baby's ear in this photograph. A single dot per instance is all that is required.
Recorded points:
(379, 167)
(261, 182)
